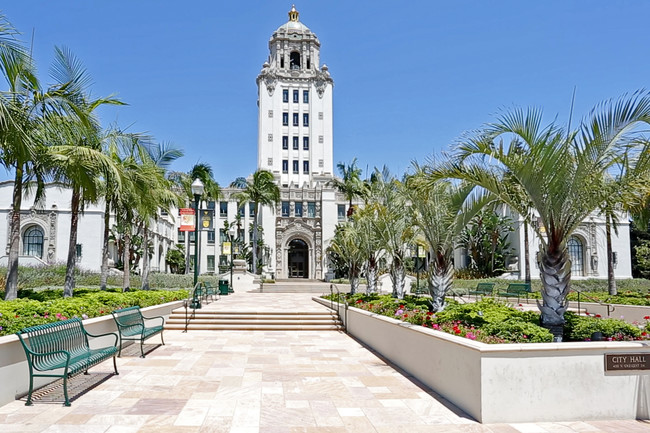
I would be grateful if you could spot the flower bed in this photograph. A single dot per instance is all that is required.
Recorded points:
(35, 308)
(492, 321)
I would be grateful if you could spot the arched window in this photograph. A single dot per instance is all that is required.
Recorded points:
(33, 242)
(294, 60)
(576, 254)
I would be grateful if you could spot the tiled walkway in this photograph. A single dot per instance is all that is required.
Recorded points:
(256, 381)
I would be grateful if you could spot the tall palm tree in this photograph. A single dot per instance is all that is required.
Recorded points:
(260, 190)
(350, 184)
(77, 158)
(25, 113)
(369, 243)
(561, 172)
(438, 211)
(392, 225)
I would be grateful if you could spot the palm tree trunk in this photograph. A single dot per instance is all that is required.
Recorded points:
(11, 287)
(255, 240)
(145, 258)
(440, 280)
(611, 280)
(68, 285)
(526, 253)
(371, 275)
(103, 279)
(555, 269)
(397, 274)
(126, 259)
(354, 279)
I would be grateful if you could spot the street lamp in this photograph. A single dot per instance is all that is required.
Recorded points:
(231, 232)
(197, 190)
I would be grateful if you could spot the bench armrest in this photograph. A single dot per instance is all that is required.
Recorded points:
(162, 319)
(104, 335)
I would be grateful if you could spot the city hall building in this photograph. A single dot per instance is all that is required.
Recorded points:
(295, 143)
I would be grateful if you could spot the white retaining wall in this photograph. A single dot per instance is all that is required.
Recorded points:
(510, 383)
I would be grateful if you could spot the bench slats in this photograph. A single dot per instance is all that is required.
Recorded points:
(131, 326)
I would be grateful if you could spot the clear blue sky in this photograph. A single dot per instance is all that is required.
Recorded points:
(409, 77)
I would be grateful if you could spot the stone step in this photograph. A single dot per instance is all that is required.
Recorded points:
(263, 321)
(252, 327)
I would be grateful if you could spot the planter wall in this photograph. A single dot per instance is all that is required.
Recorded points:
(510, 383)
(14, 372)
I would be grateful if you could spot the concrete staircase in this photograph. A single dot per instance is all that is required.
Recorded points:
(255, 321)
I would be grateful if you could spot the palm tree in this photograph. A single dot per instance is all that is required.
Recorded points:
(369, 243)
(438, 211)
(25, 113)
(392, 225)
(345, 244)
(561, 173)
(350, 184)
(260, 190)
(76, 156)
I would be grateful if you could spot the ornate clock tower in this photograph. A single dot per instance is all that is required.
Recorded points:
(295, 142)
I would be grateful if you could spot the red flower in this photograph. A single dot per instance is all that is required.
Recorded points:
(597, 315)
(405, 315)
(457, 331)
(17, 316)
(360, 301)
(646, 317)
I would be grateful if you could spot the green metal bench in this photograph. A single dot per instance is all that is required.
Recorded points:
(210, 291)
(131, 326)
(482, 289)
(62, 345)
(516, 290)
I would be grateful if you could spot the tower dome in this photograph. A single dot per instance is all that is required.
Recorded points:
(294, 24)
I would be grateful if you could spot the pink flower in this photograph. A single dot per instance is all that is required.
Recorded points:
(435, 326)
(471, 336)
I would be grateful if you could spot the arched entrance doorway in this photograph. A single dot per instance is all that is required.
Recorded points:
(298, 259)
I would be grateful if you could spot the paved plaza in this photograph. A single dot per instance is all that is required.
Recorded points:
(260, 381)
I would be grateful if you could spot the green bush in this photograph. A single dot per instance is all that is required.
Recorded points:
(35, 308)
(581, 328)
(515, 330)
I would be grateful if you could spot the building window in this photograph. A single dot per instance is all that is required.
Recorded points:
(305, 119)
(191, 236)
(320, 139)
(285, 95)
(295, 119)
(210, 263)
(576, 254)
(78, 251)
(305, 96)
(297, 210)
(251, 210)
(285, 208)
(33, 242)
(223, 237)
(305, 167)
(295, 166)
(270, 113)
(270, 161)
(163, 213)
(341, 212)
(296, 96)
(320, 163)
(270, 138)
(210, 205)
(305, 143)
(311, 209)
(181, 237)
(285, 142)
(285, 166)
(223, 209)
(285, 119)
(320, 115)
(295, 143)
(242, 211)
(211, 236)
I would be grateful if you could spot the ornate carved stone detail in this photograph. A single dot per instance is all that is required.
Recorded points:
(321, 81)
(269, 76)
(46, 221)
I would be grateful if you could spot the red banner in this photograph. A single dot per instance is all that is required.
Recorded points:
(187, 220)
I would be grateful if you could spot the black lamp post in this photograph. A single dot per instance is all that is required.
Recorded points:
(231, 233)
(197, 190)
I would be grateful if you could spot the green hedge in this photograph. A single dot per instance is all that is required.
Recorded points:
(35, 308)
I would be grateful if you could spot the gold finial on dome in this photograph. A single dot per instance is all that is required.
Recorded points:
(293, 14)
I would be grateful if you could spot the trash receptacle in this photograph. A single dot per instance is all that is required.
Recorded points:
(223, 287)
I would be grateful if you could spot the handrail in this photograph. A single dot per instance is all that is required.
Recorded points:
(338, 299)
(190, 302)
(608, 306)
